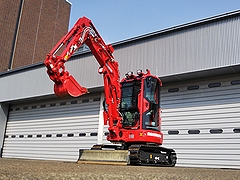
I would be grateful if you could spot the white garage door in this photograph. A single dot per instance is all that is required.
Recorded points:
(201, 121)
(53, 130)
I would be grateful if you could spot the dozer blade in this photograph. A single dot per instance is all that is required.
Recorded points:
(112, 157)
(69, 87)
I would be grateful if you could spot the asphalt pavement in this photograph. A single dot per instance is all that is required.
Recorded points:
(39, 169)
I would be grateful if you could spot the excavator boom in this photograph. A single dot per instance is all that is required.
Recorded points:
(66, 85)
(82, 32)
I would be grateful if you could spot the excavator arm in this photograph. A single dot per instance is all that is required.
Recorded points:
(65, 84)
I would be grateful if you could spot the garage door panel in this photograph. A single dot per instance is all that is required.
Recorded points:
(57, 145)
(74, 124)
(72, 127)
(202, 110)
(203, 123)
(50, 144)
(83, 120)
(59, 157)
(209, 163)
(205, 128)
(202, 100)
(223, 99)
(207, 136)
(198, 146)
(53, 129)
(52, 112)
(202, 92)
(212, 157)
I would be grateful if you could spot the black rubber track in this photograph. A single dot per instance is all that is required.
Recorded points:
(150, 155)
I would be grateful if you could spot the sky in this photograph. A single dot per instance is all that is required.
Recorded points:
(118, 20)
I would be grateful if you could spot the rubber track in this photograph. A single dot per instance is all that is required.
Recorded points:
(140, 155)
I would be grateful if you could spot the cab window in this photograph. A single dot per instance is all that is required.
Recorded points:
(151, 117)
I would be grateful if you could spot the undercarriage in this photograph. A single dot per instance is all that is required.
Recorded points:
(138, 154)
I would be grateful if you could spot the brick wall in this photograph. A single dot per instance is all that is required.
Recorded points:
(42, 24)
(9, 13)
(51, 33)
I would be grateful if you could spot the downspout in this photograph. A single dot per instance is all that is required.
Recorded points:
(10, 65)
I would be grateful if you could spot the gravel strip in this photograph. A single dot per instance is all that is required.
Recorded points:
(35, 169)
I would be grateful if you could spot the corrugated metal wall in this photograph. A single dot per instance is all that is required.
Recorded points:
(196, 48)
(53, 129)
(200, 120)
(202, 46)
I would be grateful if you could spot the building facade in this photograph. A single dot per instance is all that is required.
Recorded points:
(199, 65)
(30, 29)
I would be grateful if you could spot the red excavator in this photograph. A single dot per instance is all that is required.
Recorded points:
(131, 107)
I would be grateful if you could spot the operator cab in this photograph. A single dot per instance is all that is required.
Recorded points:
(140, 102)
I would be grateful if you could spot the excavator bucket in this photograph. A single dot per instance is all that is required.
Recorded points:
(112, 157)
(69, 87)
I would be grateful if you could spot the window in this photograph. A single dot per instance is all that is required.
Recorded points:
(106, 133)
(93, 134)
(43, 105)
(59, 135)
(216, 131)
(192, 87)
(170, 132)
(236, 130)
(129, 103)
(194, 131)
(30, 136)
(21, 136)
(173, 90)
(235, 82)
(70, 135)
(25, 108)
(73, 102)
(39, 135)
(96, 99)
(129, 96)
(85, 100)
(152, 95)
(82, 134)
(34, 107)
(63, 103)
(213, 85)
(48, 135)
(52, 104)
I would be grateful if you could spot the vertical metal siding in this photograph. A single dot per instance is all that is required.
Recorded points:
(205, 46)
(85, 70)
(212, 115)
